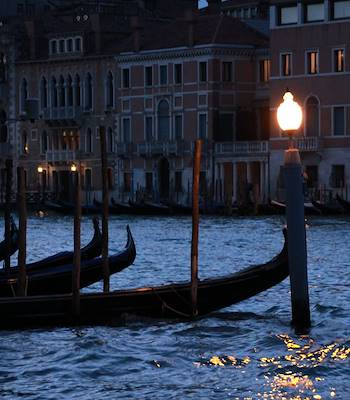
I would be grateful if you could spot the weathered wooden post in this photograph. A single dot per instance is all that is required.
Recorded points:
(77, 231)
(22, 247)
(105, 205)
(7, 214)
(195, 225)
(289, 117)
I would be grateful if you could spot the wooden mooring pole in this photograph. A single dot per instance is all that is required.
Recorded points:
(195, 225)
(7, 214)
(22, 246)
(105, 206)
(77, 255)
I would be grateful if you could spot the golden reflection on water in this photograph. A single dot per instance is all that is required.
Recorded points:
(282, 380)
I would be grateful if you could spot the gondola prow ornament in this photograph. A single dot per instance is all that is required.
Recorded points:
(289, 117)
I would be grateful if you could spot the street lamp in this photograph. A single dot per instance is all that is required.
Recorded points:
(73, 168)
(289, 117)
(40, 169)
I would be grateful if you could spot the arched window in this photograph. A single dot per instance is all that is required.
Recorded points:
(88, 92)
(3, 68)
(88, 141)
(53, 89)
(43, 93)
(109, 90)
(110, 140)
(69, 88)
(62, 92)
(312, 127)
(163, 121)
(43, 142)
(24, 94)
(3, 126)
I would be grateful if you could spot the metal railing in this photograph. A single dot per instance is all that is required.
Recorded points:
(312, 143)
(246, 147)
(60, 155)
(157, 148)
(57, 113)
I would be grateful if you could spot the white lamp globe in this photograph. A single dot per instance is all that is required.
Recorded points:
(289, 113)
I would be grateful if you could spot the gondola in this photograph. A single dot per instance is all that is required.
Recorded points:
(344, 203)
(328, 209)
(58, 279)
(85, 209)
(148, 208)
(168, 301)
(91, 250)
(14, 241)
(309, 208)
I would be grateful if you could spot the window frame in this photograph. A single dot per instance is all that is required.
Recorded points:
(124, 70)
(308, 62)
(146, 83)
(282, 69)
(179, 115)
(333, 9)
(165, 68)
(123, 127)
(200, 63)
(333, 121)
(305, 12)
(264, 62)
(223, 70)
(335, 59)
(199, 136)
(151, 118)
(181, 69)
(279, 14)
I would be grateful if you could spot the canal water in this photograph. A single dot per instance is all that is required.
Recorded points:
(246, 351)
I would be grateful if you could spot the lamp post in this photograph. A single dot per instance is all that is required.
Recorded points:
(289, 116)
(40, 183)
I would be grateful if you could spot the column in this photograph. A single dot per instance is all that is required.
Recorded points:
(249, 172)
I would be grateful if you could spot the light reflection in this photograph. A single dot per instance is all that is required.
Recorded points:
(282, 382)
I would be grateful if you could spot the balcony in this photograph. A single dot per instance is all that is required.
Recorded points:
(58, 114)
(60, 156)
(149, 149)
(241, 148)
(5, 150)
(312, 143)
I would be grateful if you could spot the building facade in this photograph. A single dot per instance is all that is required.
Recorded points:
(309, 55)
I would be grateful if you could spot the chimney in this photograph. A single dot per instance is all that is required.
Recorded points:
(191, 22)
(31, 32)
(96, 27)
(214, 7)
(136, 26)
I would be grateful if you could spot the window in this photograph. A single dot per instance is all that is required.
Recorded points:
(178, 181)
(314, 12)
(203, 71)
(110, 140)
(43, 93)
(178, 127)
(288, 15)
(311, 176)
(337, 178)
(77, 91)
(43, 142)
(338, 57)
(163, 75)
(54, 92)
(264, 70)
(88, 141)
(312, 62)
(109, 90)
(69, 89)
(24, 143)
(126, 78)
(53, 47)
(78, 44)
(126, 124)
(24, 94)
(61, 45)
(338, 121)
(227, 71)
(341, 9)
(148, 76)
(88, 179)
(202, 126)
(88, 92)
(312, 117)
(69, 45)
(178, 74)
(149, 129)
(163, 121)
(61, 92)
(225, 133)
(286, 64)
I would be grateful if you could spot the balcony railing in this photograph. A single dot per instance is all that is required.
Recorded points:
(312, 143)
(157, 148)
(5, 149)
(58, 113)
(242, 148)
(60, 155)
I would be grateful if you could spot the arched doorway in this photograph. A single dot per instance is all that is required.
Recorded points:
(312, 117)
(163, 180)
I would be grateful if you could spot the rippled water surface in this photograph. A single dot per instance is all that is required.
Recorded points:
(247, 351)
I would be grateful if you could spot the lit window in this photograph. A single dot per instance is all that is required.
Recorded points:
(338, 56)
(288, 15)
(312, 62)
(264, 70)
(286, 64)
